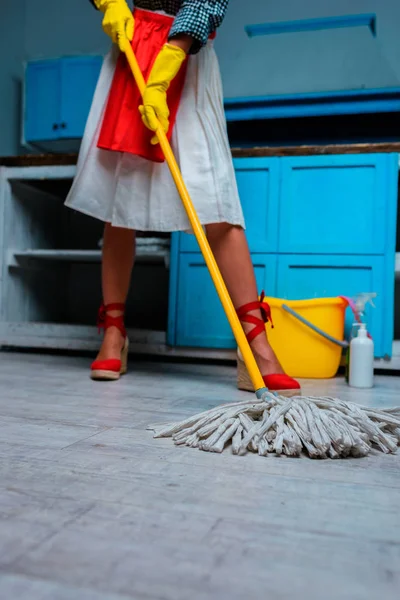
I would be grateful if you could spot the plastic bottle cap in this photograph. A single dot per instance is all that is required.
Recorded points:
(362, 332)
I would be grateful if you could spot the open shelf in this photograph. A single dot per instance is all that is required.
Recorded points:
(143, 256)
(50, 277)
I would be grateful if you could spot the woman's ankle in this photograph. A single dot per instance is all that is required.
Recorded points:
(112, 344)
(265, 356)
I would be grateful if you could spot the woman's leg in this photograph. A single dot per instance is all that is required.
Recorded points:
(231, 252)
(117, 263)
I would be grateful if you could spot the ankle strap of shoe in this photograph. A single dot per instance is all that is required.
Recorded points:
(259, 324)
(116, 306)
(104, 320)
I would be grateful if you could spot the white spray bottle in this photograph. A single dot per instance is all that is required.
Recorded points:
(361, 359)
(359, 303)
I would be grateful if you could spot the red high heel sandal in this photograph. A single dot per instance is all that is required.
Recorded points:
(112, 368)
(280, 383)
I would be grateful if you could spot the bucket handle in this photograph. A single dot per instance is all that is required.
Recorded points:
(342, 344)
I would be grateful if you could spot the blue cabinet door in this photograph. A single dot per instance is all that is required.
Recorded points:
(42, 100)
(302, 277)
(196, 315)
(338, 204)
(258, 184)
(78, 82)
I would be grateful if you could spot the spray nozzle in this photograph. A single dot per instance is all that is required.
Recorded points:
(361, 300)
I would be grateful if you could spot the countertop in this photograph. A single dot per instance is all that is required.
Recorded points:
(37, 160)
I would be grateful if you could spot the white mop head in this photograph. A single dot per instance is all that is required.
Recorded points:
(320, 427)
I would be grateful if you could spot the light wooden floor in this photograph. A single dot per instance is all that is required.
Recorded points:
(92, 508)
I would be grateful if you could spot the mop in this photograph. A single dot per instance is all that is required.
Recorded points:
(270, 424)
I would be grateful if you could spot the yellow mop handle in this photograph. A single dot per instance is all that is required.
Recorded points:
(208, 256)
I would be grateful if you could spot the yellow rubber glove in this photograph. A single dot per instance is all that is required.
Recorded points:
(155, 108)
(118, 20)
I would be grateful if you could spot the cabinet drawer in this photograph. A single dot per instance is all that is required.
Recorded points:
(258, 185)
(302, 277)
(337, 204)
(198, 317)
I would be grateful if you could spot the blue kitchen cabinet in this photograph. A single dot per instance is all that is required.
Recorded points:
(337, 204)
(58, 94)
(301, 277)
(318, 226)
(199, 317)
(258, 184)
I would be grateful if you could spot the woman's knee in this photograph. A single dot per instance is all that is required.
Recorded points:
(217, 230)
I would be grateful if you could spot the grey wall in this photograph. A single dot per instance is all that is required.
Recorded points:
(349, 58)
(62, 27)
(11, 56)
(288, 63)
(39, 29)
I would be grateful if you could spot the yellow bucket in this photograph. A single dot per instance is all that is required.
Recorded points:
(301, 351)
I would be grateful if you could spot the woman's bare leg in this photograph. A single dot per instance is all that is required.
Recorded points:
(116, 269)
(231, 252)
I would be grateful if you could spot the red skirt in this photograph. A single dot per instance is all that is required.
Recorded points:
(122, 129)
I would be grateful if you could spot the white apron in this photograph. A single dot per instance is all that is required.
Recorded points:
(132, 192)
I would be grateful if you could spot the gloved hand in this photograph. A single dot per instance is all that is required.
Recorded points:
(165, 68)
(118, 20)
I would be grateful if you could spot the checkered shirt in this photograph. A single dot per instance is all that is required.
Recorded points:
(197, 18)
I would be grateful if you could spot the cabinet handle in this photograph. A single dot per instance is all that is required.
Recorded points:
(63, 125)
(55, 127)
